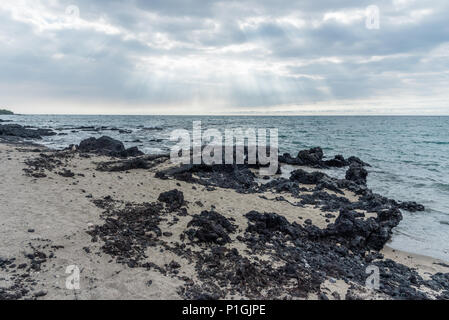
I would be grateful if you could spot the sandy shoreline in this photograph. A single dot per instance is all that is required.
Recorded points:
(52, 215)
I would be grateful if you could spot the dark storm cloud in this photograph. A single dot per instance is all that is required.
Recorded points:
(232, 53)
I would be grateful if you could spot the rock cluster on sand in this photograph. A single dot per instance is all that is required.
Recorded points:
(211, 227)
(174, 199)
(23, 286)
(342, 250)
(107, 146)
(310, 255)
(145, 162)
(251, 252)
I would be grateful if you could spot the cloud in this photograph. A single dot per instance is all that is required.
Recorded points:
(223, 56)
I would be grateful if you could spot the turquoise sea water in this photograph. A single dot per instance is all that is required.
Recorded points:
(409, 156)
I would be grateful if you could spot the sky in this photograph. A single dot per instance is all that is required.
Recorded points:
(255, 57)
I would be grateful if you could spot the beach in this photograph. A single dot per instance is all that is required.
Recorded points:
(55, 214)
(251, 151)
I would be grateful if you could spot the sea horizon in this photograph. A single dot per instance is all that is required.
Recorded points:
(232, 115)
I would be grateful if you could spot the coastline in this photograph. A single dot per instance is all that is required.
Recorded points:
(55, 220)
(424, 264)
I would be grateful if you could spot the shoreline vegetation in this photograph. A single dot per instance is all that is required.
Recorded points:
(138, 226)
(6, 112)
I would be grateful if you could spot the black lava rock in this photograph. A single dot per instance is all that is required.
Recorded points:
(357, 174)
(311, 157)
(174, 198)
(314, 158)
(211, 227)
(107, 146)
(338, 162)
(16, 130)
(304, 177)
(411, 206)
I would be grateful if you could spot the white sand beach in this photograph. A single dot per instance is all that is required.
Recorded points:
(55, 212)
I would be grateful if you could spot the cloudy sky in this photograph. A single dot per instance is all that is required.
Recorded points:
(224, 57)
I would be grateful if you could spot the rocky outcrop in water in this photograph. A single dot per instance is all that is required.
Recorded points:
(315, 158)
(304, 177)
(15, 130)
(6, 112)
(357, 174)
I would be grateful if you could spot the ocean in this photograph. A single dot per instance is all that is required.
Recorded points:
(409, 155)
